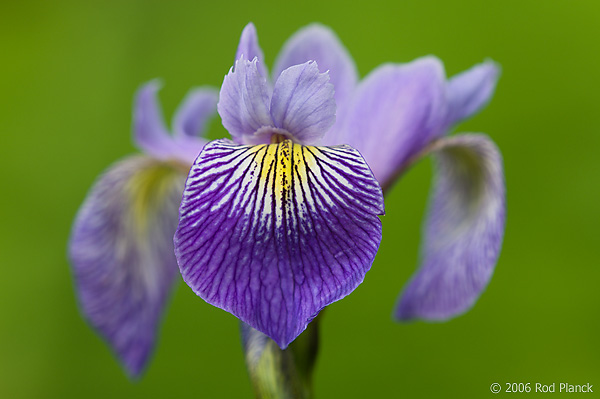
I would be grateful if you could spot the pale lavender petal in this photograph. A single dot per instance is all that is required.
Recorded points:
(396, 111)
(471, 90)
(244, 101)
(193, 114)
(150, 134)
(319, 43)
(191, 120)
(274, 233)
(121, 251)
(464, 230)
(303, 102)
(250, 49)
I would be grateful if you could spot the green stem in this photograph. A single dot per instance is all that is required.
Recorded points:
(277, 373)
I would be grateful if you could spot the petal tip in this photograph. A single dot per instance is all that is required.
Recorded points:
(273, 278)
(123, 267)
(471, 90)
(463, 232)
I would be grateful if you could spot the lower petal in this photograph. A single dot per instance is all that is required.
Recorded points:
(463, 233)
(121, 250)
(274, 233)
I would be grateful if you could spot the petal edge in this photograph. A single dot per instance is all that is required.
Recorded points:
(463, 233)
(122, 257)
(244, 101)
(319, 43)
(274, 233)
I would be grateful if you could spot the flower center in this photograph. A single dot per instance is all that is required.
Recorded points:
(277, 138)
(273, 135)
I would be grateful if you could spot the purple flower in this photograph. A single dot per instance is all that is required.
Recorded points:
(121, 245)
(395, 116)
(272, 227)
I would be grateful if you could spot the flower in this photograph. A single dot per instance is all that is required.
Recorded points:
(396, 115)
(121, 245)
(410, 109)
(273, 228)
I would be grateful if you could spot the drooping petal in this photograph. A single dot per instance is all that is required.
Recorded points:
(250, 49)
(319, 43)
(471, 90)
(190, 122)
(244, 101)
(274, 233)
(303, 102)
(150, 134)
(464, 230)
(121, 251)
(396, 111)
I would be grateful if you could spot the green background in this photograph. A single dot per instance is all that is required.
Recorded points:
(68, 72)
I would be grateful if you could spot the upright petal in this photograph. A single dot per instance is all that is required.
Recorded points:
(121, 250)
(319, 43)
(194, 112)
(244, 101)
(274, 233)
(150, 134)
(191, 120)
(396, 111)
(303, 102)
(471, 90)
(463, 233)
(250, 49)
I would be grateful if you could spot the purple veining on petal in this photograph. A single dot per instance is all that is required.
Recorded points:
(274, 233)
(471, 90)
(250, 49)
(303, 102)
(319, 43)
(395, 112)
(463, 233)
(121, 252)
(244, 101)
(150, 134)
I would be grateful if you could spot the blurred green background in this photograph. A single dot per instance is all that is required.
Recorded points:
(68, 74)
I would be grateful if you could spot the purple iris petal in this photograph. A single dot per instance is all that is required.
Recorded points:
(244, 101)
(274, 233)
(319, 43)
(395, 112)
(150, 134)
(191, 119)
(121, 251)
(464, 230)
(471, 90)
(302, 102)
(194, 112)
(250, 49)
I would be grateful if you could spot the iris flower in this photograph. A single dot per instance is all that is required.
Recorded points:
(282, 221)
(121, 245)
(395, 116)
(273, 227)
